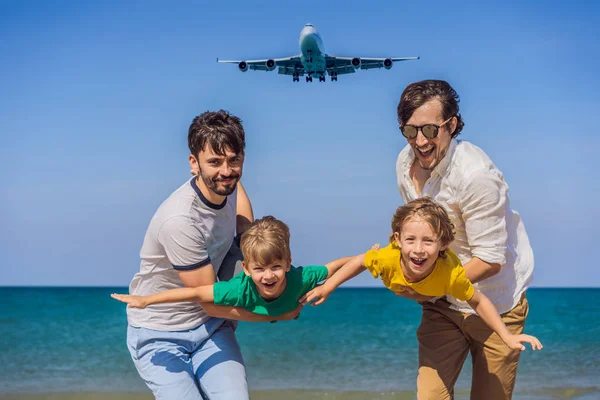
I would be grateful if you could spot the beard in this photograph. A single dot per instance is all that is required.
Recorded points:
(215, 184)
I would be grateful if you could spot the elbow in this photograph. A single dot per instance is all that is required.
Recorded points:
(494, 269)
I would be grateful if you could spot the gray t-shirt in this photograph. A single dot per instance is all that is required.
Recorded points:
(187, 232)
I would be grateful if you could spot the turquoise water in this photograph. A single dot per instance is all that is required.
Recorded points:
(73, 339)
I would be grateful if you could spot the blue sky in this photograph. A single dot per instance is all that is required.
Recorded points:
(96, 99)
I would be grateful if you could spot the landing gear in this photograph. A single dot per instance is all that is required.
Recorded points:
(295, 77)
(308, 78)
(321, 78)
(333, 76)
(309, 59)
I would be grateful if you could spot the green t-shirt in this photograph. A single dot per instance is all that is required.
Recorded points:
(240, 291)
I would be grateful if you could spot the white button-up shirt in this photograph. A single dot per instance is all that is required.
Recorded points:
(473, 192)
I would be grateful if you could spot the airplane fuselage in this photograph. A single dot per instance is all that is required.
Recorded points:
(312, 50)
(313, 62)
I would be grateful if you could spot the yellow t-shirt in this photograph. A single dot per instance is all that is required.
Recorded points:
(448, 275)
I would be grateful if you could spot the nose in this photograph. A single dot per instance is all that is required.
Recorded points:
(268, 274)
(421, 139)
(419, 248)
(225, 169)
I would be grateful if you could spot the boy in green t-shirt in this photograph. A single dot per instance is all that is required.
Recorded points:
(268, 285)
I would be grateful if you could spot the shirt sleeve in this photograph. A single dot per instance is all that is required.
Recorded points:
(483, 203)
(374, 263)
(461, 288)
(311, 276)
(227, 293)
(184, 244)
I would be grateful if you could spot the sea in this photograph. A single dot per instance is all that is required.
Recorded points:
(71, 339)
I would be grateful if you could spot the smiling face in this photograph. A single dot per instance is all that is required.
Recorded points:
(429, 152)
(218, 174)
(420, 246)
(270, 280)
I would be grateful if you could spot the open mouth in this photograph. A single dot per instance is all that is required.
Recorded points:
(269, 285)
(419, 262)
(426, 152)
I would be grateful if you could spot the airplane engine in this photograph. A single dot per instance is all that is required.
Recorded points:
(356, 62)
(270, 64)
(243, 66)
(387, 63)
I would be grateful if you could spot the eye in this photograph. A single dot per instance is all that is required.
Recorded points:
(276, 267)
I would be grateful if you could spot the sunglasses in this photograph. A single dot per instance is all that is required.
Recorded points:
(430, 131)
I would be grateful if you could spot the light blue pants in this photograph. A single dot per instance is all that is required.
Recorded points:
(201, 363)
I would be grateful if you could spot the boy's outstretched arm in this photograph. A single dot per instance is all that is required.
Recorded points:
(489, 314)
(241, 314)
(201, 294)
(204, 295)
(335, 265)
(353, 267)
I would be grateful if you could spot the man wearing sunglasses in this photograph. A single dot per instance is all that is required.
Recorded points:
(491, 242)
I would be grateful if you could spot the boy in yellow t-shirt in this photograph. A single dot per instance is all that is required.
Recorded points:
(418, 258)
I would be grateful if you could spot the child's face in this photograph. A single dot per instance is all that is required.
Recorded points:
(269, 279)
(420, 247)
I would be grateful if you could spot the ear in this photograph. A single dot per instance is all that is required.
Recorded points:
(289, 265)
(444, 247)
(397, 237)
(452, 125)
(194, 165)
(245, 268)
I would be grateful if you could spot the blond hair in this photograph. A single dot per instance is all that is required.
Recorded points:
(430, 212)
(266, 241)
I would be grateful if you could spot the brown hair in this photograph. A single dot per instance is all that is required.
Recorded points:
(418, 93)
(430, 212)
(266, 241)
(220, 130)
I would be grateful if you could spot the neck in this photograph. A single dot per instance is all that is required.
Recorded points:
(209, 194)
(418, 176)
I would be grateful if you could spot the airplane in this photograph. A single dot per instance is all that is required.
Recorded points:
(313, 61)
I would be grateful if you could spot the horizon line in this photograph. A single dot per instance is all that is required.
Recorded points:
(340, 287)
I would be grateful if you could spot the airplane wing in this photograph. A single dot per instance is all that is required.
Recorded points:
(287, 65)
(348, 65)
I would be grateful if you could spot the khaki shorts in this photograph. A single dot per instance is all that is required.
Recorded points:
(447, 336)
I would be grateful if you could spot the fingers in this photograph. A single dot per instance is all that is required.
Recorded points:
(533, 341)
(120, 297)
(307, 298)
(375, 246)
(319, 301)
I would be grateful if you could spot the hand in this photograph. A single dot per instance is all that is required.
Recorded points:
(375, 246)
(295, 313)
(515, 342)
(131, 300)
(409, 293)
(320, 293)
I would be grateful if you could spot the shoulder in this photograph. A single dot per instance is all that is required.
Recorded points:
(230, 291)
(471, 165)
(451, 260)
(307, 272)
(391, 252)
(452, 266)
(404, 159)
